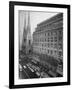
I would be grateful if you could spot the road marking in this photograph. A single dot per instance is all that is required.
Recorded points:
(26, 73)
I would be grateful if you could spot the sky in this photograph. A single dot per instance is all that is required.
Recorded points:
(35, 18)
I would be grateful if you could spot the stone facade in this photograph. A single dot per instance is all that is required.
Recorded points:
(48, 38)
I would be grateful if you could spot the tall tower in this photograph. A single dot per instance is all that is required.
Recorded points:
(24, 40)
(28, 34)
(26, 46)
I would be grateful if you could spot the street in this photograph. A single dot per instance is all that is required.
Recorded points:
(31, 67)
(26, 73)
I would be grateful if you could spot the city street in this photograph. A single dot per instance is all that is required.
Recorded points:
(26, 73)
(30, 66)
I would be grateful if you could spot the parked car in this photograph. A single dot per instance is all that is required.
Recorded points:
(20, 67)
(24, 67)
(44, 75)
(38, 73)
(30, 68)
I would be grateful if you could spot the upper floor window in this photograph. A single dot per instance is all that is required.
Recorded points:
(51, 44)
(48, 51)
(55, 52)
(48, 40)
(55, 45)
(51, 33)
(51, 52)
(45, 39)
(51, 39)
(55, 33)
(45, 34)
(60, 54)
(24, 40)
(60, 32)
(42, 45)
(48, 44)
(55, 39)
(60, 38)
(60, 46)
(48, 34)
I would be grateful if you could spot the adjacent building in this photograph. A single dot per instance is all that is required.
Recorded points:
(48, 39)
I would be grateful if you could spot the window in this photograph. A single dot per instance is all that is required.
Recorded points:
(48, 44)
(24, 40)
(60, 38)
(60, 53)
(48, 39)
(60, 46)
(45, 34)
(51, 44)
(55, 45)
(55, 33)
(55, 52)
(51, 33)
(51, 39)
(51, 52)
(42, 45)
(29, 42)
(45, 39)
(42, 39)
(55, 39)
(60, 32)
(48, 51)
(48, 34)
(45, 45)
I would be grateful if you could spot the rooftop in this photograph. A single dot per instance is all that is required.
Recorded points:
(54, 18)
